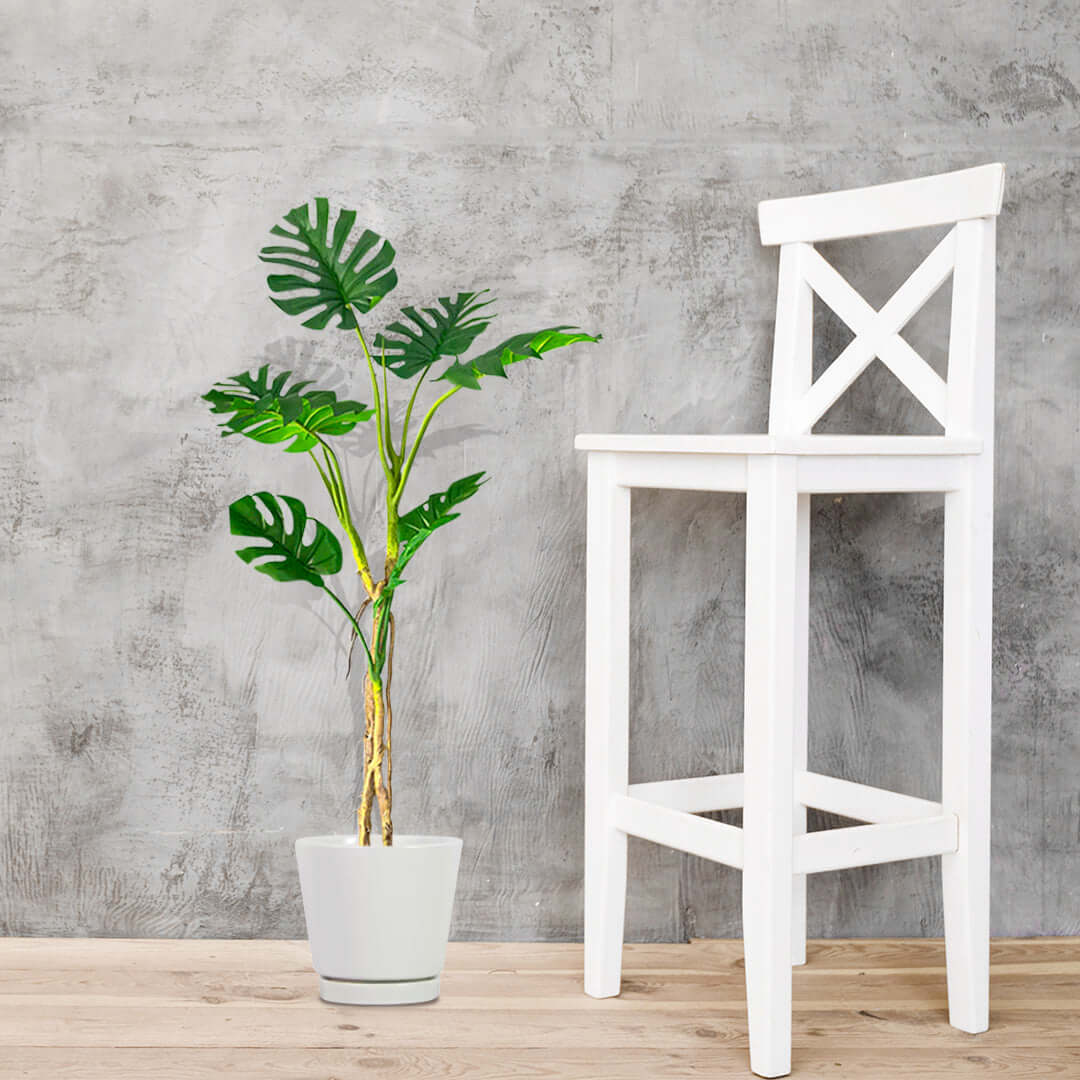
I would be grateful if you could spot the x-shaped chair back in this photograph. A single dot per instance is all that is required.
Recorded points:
(965, 200)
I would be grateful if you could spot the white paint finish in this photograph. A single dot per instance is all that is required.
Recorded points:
(768, 749)
(695, 795)
(905, 204)
(877, 334)
(780, 471)
(607, 722)
(860, 801)
(967, 636)
(685, 832)
(793, 343)
(880, 473)
(869, 845)
(800, 728)
(793, 355)
(971, 335)
(797, 445)
(378, 918)
(687, 472)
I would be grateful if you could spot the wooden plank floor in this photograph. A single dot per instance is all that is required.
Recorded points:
(100, 1008)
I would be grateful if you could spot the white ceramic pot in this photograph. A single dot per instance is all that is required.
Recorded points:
(378, 918)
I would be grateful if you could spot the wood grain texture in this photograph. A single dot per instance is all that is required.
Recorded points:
(192, 1009)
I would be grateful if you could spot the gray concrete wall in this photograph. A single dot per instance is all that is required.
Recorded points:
(171, 721)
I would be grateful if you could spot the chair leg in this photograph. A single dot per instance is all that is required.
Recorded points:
(965, 875)
(607, 722)
(771, 605)
(801, 725)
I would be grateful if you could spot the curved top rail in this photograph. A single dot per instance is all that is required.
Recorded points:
(908, 204)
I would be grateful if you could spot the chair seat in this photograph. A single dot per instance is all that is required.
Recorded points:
(801, 445)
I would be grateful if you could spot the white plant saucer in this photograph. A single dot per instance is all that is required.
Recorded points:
(347, 992)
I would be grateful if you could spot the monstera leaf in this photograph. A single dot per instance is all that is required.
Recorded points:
(467, 373)
(446, 332)
(433, 513)
(288, 557)
(273, 412)
(334, 280)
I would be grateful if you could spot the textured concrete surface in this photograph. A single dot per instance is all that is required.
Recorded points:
(171, 722)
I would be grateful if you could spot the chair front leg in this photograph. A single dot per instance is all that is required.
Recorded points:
(965, 875)
(772, 512)
(801, 732)
(607, 722)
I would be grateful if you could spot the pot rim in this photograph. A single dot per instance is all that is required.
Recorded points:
(404, 842)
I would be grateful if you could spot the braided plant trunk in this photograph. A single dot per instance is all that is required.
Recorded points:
(378, 754)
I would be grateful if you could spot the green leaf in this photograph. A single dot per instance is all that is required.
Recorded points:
(433, 513)
(468, 373)
(446, 332)
(270, 411)
(289, 558)
(333, 278)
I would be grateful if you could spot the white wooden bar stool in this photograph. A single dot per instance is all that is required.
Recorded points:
(778, 472)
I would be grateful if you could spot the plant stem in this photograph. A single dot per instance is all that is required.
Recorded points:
(379, 405)
(352, 640)
(373, 782)
(355, 625)
(407, 467)
(392, 534)
(377, 716)
(334, 480)
(395, 460)
(409, 409)
(380, 629)
(381, 792)
(363, 813)
(389, 714)
(330, 487)
(376, 706)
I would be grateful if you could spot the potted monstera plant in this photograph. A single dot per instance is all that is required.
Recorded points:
(378, 915)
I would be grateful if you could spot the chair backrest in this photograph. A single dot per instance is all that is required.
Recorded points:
(970, 201)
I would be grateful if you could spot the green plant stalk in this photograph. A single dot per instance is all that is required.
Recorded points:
(359, 555)
(407, 467)
(380, 422)
(376, 737)
(334, 482)
(393, 544)
(408, 411)
(377, 741)
(395, 459)
(355, 625)
(330, 487)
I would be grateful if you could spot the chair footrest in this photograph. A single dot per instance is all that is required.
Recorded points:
(699, 794)
(867, 845)
(678, 829)
(901, 826)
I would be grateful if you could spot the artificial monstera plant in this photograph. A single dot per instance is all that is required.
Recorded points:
(327, 273)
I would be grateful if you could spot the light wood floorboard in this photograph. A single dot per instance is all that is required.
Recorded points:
(192, 1009)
